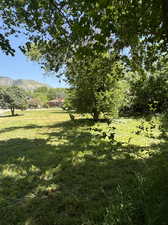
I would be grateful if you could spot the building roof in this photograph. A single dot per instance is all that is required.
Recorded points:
(57, 100)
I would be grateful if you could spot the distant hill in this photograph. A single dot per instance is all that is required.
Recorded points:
(25, 84)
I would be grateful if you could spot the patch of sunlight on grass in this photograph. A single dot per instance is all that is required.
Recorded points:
(50, 173)
(10, 170)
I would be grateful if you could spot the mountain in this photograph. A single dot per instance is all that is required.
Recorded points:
(25, 84)
(6, 81)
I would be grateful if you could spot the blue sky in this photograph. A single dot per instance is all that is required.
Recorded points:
(20, 67)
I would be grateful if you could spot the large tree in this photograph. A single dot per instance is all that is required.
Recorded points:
(95, 82)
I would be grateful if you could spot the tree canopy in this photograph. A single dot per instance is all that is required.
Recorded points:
(67, 25)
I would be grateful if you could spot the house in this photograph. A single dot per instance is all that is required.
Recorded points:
(34, 103)
(58, 102)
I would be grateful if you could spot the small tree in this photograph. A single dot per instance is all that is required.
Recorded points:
(12, 98)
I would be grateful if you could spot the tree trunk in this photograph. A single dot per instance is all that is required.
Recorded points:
(96, 115)
(165, 16)
(12, 111)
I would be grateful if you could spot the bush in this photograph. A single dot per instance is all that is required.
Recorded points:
(149, 95)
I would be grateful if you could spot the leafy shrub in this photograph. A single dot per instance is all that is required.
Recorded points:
(149, 95)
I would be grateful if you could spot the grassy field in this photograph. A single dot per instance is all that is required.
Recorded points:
(54, 171)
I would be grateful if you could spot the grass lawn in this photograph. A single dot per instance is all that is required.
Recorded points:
(54, 171)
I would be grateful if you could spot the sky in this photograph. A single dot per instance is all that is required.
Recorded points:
(20, 67)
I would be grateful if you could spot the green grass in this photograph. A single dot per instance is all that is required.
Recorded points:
(57, 172)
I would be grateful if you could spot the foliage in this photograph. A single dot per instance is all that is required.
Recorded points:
(138, 19)
(50, 93)
(149, 94)
(42, 95)
(141, 29)
(96, 85)
(56, 93)
(145, 202)
(13, 98)
(107, 134)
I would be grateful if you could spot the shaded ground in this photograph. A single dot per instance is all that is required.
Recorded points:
(55, 172)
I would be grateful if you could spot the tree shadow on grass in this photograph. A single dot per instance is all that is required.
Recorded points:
(59, 112)
(68, 179)
(9, 129)
(6, 116)
(67, 124)
(164, 126)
